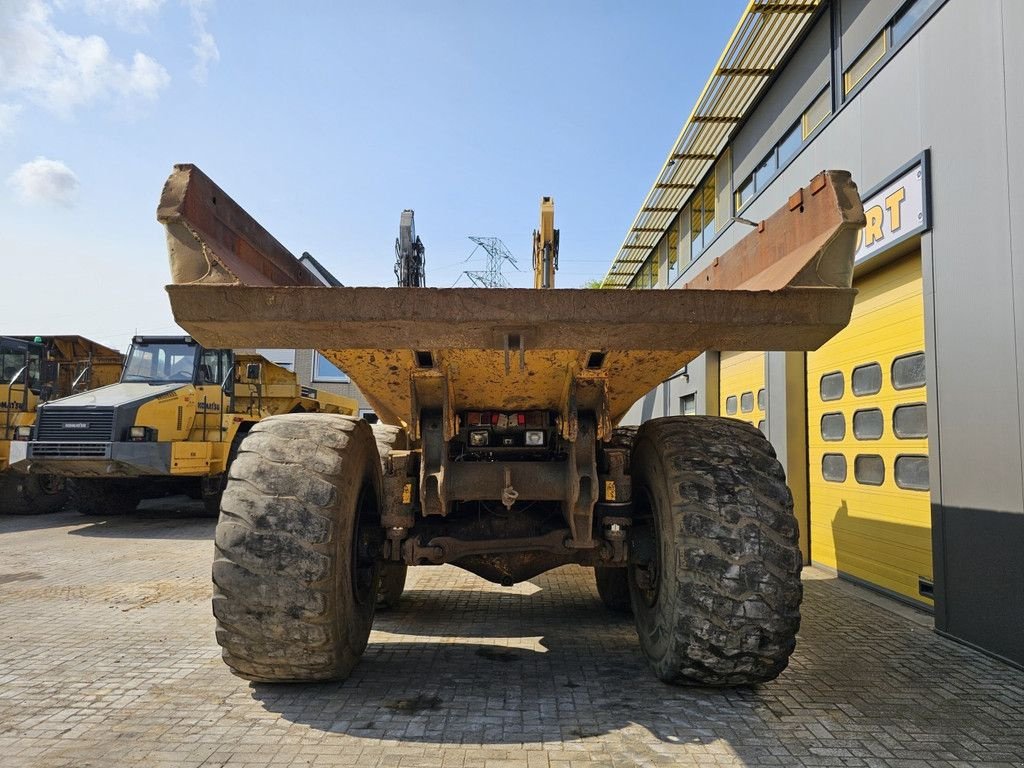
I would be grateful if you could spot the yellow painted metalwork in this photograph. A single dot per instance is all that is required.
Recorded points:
(881, 534)
(742, 373)
(189, 458)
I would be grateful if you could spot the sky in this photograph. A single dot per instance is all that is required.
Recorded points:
(325, 121)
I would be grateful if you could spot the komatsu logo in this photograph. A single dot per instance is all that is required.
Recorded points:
(13, 406)
(76, 425)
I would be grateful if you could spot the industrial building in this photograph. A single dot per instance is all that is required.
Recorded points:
(902, 436)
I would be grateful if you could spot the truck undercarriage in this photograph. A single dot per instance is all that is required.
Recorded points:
(503, 456)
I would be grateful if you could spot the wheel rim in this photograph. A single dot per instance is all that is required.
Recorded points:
(51, 485)
(647, 577)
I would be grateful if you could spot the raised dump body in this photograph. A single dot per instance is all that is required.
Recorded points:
(509, 400)
(786, 287)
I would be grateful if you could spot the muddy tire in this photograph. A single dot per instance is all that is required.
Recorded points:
(392, 584)
(104, 497)
(392, 575)
(613, 588)
(31, 494)
(714, 572)
(388, 437)
(295, 573)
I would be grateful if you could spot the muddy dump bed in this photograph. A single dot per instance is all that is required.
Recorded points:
(785, 286)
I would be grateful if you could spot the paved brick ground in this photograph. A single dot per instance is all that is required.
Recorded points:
(107, 658)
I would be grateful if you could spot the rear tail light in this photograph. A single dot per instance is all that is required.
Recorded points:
(534, 437)
(478, 438)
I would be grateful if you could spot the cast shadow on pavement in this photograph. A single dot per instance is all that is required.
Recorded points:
(492, 668)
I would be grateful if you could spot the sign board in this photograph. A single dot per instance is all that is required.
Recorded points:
(895, 210)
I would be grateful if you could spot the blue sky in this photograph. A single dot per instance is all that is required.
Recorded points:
(325, 121)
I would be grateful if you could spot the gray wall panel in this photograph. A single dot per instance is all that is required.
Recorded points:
(976, 388)
(1013, 28)
(890, 120)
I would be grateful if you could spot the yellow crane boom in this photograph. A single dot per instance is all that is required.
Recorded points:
(545, 246)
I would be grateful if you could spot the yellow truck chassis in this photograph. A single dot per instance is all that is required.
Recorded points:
(509, 400)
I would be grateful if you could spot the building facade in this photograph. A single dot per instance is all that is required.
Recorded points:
(902, 437)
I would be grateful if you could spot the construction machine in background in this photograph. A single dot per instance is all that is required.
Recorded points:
(410, 253)
(172, 422)
(545, 246)
(36, 369)
(509, 399)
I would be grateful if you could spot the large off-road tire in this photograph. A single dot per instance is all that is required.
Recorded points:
(613, 588)
(31, 494)
(105, 497)
(295, 573)
(211, 489)
(714, 572)
(392, 575)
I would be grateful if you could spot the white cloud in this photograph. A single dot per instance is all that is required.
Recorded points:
(45, 181)
(8, 114)
(62, 71)
(204, 47)
(130, 15)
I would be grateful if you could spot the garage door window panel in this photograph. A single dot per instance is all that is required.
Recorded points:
(911, 473)
(867, 380)
(869, 469)
(868, 424)
(833, 467)
(833, 427)
(833, 386)
(908, 371)
(910, 421)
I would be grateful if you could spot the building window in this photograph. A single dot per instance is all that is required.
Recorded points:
(864, 63)
(910, 421)
(747, 402)
(730, 405)
(868, 424)
(672, 244)
(833, 426)
(833, 467)
(324, 370)
(789, 145)
(832, 386)
(702, 217)
(867, 379)
(869, 469)
(688, 405)
(766, 170)
(820, 108)
(907, 20)
(912, 473)
(908, 371)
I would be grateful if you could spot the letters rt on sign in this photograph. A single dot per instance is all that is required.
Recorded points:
(893, 213)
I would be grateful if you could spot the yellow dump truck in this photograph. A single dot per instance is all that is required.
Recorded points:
(172, 422)
(36, 369)
(509, 400)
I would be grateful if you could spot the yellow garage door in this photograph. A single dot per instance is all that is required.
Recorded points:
(741, 384)
(868, 441)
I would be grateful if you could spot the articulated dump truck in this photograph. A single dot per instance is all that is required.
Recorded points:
(510, 463)
(171, 422)
(35, 370)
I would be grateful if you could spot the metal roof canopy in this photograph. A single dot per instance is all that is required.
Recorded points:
(763, 38)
